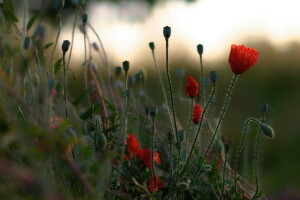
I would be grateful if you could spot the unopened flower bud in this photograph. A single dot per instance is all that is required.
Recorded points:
(167, 32)
(84, 18)
(126, 66)
(180, 135)
(178, 145)
(65, 46)
(153, 112)
(118, 70)
(170, 136)
(95, 46)
(200, 49)
(151, 45)
(26, 43)
(267, 131)
(263, 107)
(213, 76)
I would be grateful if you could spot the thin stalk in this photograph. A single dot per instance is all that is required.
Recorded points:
(225, 105)
(202, 81)
(224, 172)
(240, 148)
(164, 91)
(73, 35)
(86, 66)
(256, 159)
(199, 128)
(105, 62)
(171, 91)
(153, 132)
(123, 123)
(55, 43)
(65, 88)
(188, 127)
(25, 8)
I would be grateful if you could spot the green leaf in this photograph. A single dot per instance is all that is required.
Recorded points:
(87, 114)
(57, 65)
(79, 99)
(9, 11)
(48, 45)
(31, 21)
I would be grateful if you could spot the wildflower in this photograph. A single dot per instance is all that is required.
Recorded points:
(155, 182)
(242, 58)
(132, 146)
(197, 113)
(191, 87)
(145, 155)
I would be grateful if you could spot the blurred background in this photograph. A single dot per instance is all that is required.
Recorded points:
(270, 26)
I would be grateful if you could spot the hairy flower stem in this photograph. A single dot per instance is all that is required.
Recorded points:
(171, 92)
(224, 172)
(25, 9)
(224, 109)
(239, 150)
(164, 91)
(73, 35)
(123, 123)
(188, 127)
(105, 62)
(202, 81)
(86, 66)
(198, 131)
(256, 159)
(153, 131)
(55, 42)
(65, 88)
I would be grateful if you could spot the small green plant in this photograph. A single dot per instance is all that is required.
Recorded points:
(111, 141)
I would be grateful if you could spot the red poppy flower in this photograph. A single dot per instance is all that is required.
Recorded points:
(191, 87)
(152, 184)
(242, 58)
(132, 146)
(145, 155)
(197, 113)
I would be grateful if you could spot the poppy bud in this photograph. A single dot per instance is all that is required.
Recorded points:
(65, 46)
(180, 135)
(126, 66)
(151, 45)
(167, 32)
(95, 46)
(153, 112)
(263, 107)
(213, 76)
(84, 18)
(26, 43)
(118, 70)
(170, 136)
(267, 131)
(200, 49)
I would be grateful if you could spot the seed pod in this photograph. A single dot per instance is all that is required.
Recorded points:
(263, 107)
(180, 135)
(26, 43)
(84, 18)
(213, 76)
(65, 46)
(167, 32)
(151, 45)
(200, 49)
(126, 66)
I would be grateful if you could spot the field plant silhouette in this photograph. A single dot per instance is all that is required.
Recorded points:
(112, 141)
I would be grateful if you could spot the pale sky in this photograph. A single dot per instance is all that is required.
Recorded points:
(214, 23)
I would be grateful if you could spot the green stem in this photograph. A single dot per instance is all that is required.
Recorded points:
(73, 35)
(240, 148)
(153, 131)
(123, 123)
(164, 91)
(55, 43)
(171, 91)
(199, 128)
(202, 81)
(225, 105)
(188, 127)
(256, 159)
(65, 88)
(224, 172)
(86, 66)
